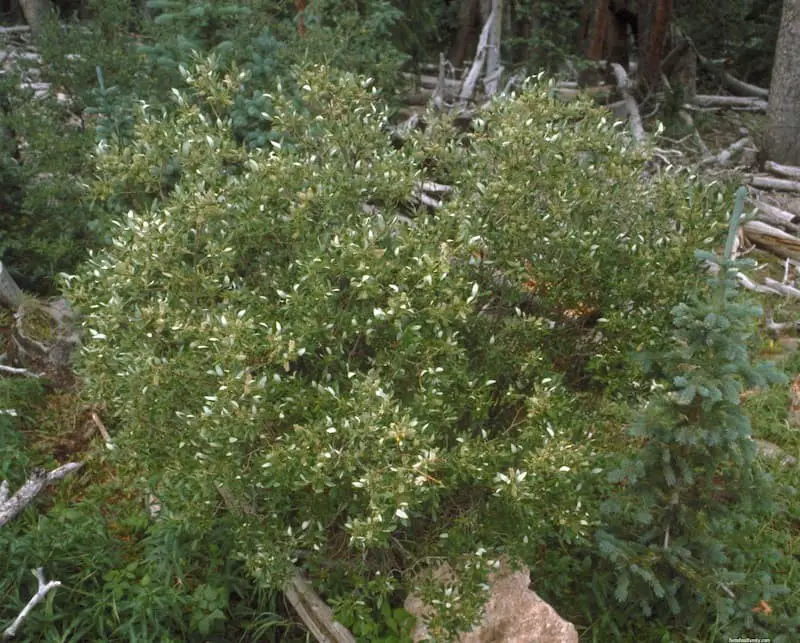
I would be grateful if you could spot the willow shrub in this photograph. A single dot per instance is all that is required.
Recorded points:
(365, 396)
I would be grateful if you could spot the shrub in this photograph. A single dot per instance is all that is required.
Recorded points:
(359, 395)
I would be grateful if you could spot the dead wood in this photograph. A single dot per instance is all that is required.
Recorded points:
(772, 239)
(468, 88)
(732, 83)
(43, 590)
(726, 155)
(746, 102)
(770, 183)
(634, 117)
(315, 613)
(789, 171)
(10, 507)
(776, 216)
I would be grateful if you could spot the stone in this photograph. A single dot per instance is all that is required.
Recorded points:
(513, 613)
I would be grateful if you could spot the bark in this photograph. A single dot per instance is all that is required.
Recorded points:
(467, 29)
(782, 133)
(300, 7)
(35, 12)
(655, 17)
(594, 30)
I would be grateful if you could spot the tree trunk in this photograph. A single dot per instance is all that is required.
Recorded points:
(654, 20)
(35, 12)
(595, 17)
(300, 7)
(467, 20)
(782, 134)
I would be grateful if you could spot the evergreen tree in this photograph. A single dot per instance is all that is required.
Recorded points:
(694, 481)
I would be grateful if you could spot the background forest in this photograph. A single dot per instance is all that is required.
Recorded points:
(332, 328)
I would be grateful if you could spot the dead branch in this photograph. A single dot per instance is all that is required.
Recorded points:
(40, 478)
(313, 611)
(24, 372)
(44, 588)
(468, 88)
(103, 430)
(775, 216)
(708, 100)
(494, 69)
(630, 103)
(725, 156)
(770, 183)
(732, 83)
(784, 289)
(773, 239)
(789, 171)
(15, 29)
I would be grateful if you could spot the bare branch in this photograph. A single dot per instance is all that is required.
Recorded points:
(40, 478)
(44, 588)
(11, 370)
(630, 103)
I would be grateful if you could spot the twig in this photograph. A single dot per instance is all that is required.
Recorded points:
(102, 428)
(19, 371)
(44, 588)
(40, 478)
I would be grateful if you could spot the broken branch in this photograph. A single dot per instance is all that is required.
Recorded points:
(630, 103)
(44, 588)
(40, 478)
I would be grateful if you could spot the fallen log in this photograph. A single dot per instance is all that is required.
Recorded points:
(315, 613)
(772, 239)
(775, 216)
(732, 83)
(708, 100)
(788, 171)
(770, 183)
(630, 103)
